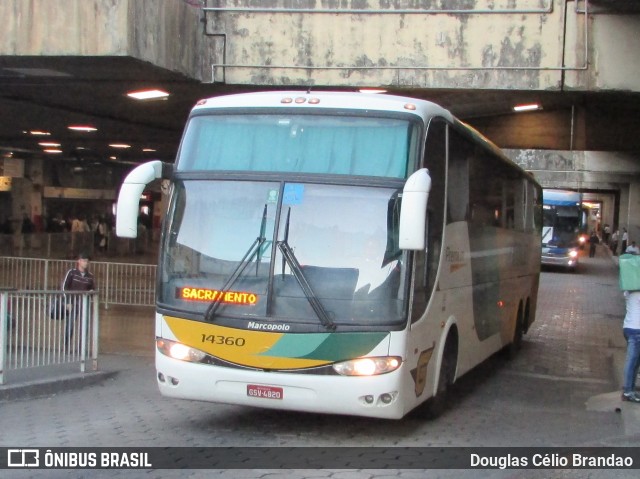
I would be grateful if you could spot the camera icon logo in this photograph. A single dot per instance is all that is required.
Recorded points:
(23, 458)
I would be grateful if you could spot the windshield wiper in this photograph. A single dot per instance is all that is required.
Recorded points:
(289, 257)
(255, 250)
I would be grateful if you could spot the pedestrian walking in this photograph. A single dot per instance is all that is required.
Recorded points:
(625, 240)
(78, 278)
(593, 242)
(631, 331)
(614, 242)
(606, 234)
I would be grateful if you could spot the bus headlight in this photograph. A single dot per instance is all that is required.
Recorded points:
(179, 351)
(573, 253)
(368, 366)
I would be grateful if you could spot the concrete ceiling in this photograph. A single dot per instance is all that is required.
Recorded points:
(50, 93)
(617, 6)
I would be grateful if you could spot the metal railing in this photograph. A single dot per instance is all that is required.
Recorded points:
(117, 283)
(48, 328)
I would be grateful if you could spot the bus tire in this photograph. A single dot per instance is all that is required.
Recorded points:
(436, 405)
(516, 342)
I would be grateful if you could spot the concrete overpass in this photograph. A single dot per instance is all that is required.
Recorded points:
(71, 62)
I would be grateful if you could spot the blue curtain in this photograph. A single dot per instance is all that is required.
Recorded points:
(343, 146)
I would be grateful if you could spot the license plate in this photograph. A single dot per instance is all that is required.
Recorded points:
(267, 392)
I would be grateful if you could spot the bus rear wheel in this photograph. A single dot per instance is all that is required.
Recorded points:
(516, 343)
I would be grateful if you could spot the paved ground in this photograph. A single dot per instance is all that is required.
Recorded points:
(576, 339)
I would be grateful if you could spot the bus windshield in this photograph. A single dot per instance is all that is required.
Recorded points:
(561, 225)
(245, 249)
(341, 145)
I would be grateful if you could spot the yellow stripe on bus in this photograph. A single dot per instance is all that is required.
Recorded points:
(238, 346)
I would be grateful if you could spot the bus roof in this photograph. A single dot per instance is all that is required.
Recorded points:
(326, 99)
(347, 100)
(561, 197)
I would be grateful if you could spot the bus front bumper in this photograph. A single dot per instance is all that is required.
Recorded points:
(564, 261)
(374, 396)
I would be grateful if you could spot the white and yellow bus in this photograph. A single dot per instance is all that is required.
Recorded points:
(340, 253)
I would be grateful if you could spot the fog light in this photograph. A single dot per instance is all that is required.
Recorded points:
(174, 381)
(161, 377)
(386, 398)
(368, 399)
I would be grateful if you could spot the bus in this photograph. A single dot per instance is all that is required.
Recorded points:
(335, 252)
(563, 228)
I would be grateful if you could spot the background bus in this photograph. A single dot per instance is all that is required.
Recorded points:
(338, 253)
(563, 230)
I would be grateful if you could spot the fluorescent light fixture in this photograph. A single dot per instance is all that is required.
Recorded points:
(119, 145)
(527, 107)
(48, 143)
(82, 128)
(148, 94)
(148, 150)
(39, 133)
(52, 150)
(372, 90)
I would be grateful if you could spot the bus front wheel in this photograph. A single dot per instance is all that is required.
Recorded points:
(437, 404)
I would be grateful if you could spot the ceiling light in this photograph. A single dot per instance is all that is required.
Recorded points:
(47, 143)
(148, 94)
(119, 145)
(82, 128)
(527, 107)
(39, 133)
(372, 90)
(52, 150)
(148, 150)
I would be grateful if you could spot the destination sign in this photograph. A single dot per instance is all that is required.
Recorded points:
(188, 293)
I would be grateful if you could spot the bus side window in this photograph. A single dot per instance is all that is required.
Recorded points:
(459, 189)
(426, 262)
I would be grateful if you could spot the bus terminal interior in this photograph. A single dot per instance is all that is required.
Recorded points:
(556, 86)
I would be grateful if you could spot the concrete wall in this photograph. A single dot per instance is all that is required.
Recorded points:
(167, 33)
(490, 44)
(487, 44)
(463, 44)
(613, 46)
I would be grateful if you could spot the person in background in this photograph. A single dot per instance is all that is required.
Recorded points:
(614, 242)
(76, 279)
(633, 248)
(27, 229)
(103, 234)
(625, 240)
(593, 242)
(606, 234)
(631, 331)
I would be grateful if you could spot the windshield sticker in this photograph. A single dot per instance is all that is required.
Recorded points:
(272, 197)
(293, 193)
(230, 297)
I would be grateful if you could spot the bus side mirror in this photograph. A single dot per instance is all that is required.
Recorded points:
(129, 197)
(413, 212)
